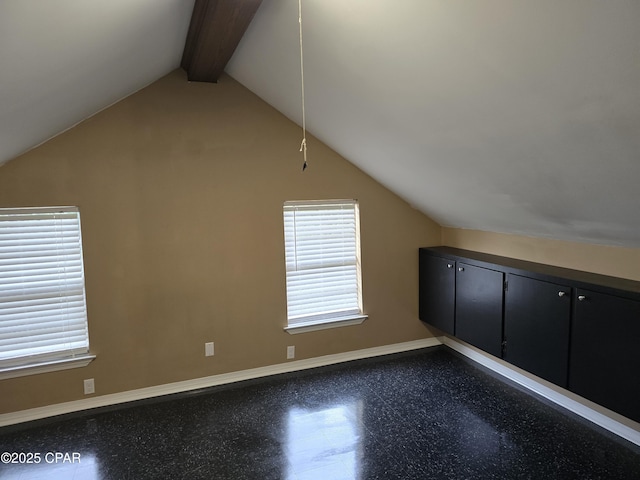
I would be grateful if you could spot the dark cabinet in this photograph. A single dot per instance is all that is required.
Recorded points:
(605, 341)
(536, 327)
(478, 314)
(462, 300)
(437, 291)
(576, 329)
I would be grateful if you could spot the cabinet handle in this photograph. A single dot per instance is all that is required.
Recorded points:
(581, 297)
(449, 265)
(562, 294)
(460, 269)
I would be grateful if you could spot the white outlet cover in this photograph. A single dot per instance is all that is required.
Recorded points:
(89, 386)
(208, 349)
(291, 352)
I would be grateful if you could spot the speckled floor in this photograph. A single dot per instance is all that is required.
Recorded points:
(419, 415)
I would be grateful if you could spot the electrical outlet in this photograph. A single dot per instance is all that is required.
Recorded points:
(291, 352)
(208, 349)
(89, 386)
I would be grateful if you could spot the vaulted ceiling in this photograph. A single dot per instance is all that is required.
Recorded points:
(503, 115)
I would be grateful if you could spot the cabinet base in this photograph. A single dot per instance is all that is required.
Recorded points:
(607, 419)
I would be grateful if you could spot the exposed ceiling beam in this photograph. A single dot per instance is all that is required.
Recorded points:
(214, 33)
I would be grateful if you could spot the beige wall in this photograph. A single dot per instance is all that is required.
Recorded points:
(606, 260)
(180, 189)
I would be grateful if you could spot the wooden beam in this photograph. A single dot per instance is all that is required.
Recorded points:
(214, 33)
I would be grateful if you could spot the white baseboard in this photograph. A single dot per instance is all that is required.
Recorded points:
(611, 421)
(204, 382)
(607, 419)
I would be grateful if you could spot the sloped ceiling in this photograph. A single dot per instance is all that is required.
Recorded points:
(502, 115)
(64, 60)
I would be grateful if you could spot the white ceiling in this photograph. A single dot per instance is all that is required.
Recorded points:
(514, 116)
(64, 60)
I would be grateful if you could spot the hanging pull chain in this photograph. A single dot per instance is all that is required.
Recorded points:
(303, 144)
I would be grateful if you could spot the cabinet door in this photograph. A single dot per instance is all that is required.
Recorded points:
(536, 327)
(605, 339)
(437, 291)
(479, 294)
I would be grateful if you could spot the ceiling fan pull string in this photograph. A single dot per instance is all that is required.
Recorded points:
(303, 144)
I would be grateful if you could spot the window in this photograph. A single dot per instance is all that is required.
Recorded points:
(322, 250)
(43, 318)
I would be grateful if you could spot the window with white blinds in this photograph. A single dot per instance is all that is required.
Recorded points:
(322, 250)
(42, 300)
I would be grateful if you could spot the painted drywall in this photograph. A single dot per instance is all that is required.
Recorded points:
(499, 115)
(65, 60)
(603, 259)
(180, 189)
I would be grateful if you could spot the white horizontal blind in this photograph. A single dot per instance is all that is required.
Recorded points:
(322, 250)
(42, 300)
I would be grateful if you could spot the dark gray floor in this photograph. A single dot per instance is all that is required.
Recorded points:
(427, 414)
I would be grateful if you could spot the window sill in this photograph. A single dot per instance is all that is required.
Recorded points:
(44, 367)
(325, 324)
